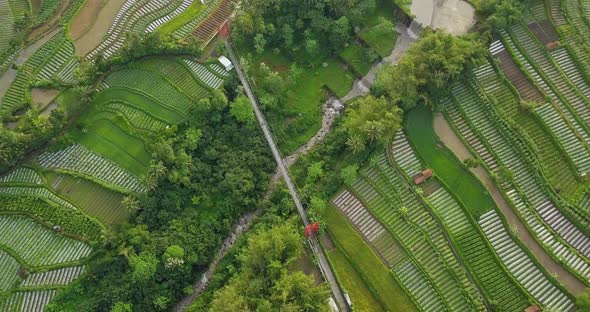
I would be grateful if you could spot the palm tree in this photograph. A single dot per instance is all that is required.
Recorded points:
(355, 143)
(131, 203)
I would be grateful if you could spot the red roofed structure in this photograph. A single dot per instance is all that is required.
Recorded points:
(422, 176)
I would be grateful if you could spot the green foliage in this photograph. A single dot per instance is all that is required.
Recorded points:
(349, 174)
(242, 110)
(371, 120)
(583, 301)
(33, 131)
(427, 67)
(501, 13)
(380, 37)
(313, 26)
(121, 307)
(264, 282)
(152, 261)
(71, 221)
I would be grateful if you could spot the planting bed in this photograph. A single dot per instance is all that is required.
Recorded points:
(37, 245)
(524, 190)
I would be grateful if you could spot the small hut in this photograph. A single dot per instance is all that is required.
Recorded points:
(422, 176)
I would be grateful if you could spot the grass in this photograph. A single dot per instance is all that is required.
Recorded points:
(354, 56)
(309, 93)
(194, 10)
(419, 127)
(361, 296)
(95, 200)
(374, 277)
(112, 142)
(382, 42)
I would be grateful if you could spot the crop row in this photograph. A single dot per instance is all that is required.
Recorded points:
(37, 245)
(8, 271)
(155, 24)
(371, 230)
(134, 16)
(390, 199)
(521, 266)
(37, 192)
(136, 117)
(21, 175)
(27, 301)
(472, 246)
(476, 111)
(158, 87)
(188, 27)
(404, 156)
(80, 159)
(59, 277)
(203, 73)
(550, 78)
(180, 75)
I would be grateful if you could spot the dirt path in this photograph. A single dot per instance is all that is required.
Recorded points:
(100, 22)
(334, 107)
(449, 138)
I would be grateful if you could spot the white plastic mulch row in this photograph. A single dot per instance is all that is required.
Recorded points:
(404, 155)
(419, 287)
(80, 159)
(521, 266)
(203, 73)
(155, 24)
(218, 70)
(28, 301)
(21, 175)
(524, 178)
(57, 277)
(38, 245)
(8, 271)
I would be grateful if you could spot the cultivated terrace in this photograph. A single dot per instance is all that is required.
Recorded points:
(436, 155)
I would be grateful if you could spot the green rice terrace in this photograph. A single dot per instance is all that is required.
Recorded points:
(317, 155)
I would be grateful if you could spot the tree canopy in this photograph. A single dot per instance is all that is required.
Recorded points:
(427, 67)
(265, 281)
(371, 120)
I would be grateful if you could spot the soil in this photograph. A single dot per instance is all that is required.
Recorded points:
(85, 18)
(454, 16)
(525, 88)
(35, 5)
(423, 11)
(100, 26)
(307, 265)
(53, 21)
(43, 97)
(450, 139)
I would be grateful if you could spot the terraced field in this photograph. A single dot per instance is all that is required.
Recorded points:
(96, 201)
(475, 252)
(37, 245)
(144, 16)
(403, 233)
(53, 61)
(525, 191)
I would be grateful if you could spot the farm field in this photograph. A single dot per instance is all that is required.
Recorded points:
(134, 175)
(366, 264)
(99, 202)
